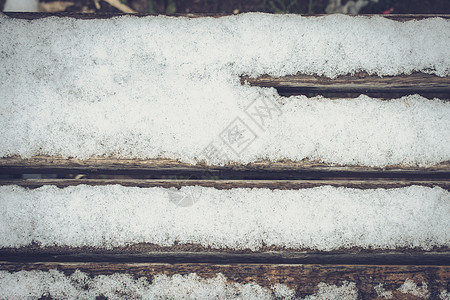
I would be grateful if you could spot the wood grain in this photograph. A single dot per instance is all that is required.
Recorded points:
(304, 279)
(156, 168)
(229, 184)
(195, 253)
(360, 83)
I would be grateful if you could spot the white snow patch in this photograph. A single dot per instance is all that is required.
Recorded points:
(444, 295)
(382, 293)
(282, 291)
(323, 218)
(347, 291)
(35, 284)
(410, 287)
(79, 285)
(166, 87)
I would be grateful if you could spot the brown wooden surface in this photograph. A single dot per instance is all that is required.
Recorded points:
(195, 253)
(229, 184)
(304, 279)
(360, 83)
(38, 15)
(256, 170)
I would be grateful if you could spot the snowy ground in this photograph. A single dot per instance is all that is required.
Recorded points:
(169, 87)
(324, 218)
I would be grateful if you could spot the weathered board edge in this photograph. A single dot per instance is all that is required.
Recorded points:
(228, 184)
(39, 15)
(261, 169)
(359, 83)
(150, 253)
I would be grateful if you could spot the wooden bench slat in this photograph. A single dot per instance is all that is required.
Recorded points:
(304, 279)
(195, 253)
(256, 170)
(229, 184)
(360, 83)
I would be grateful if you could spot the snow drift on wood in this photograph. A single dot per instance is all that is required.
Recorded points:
(166, 87)
(324, 218)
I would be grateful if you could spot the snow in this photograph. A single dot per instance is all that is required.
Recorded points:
(444, 295)
(382, 293)
(410, 287)
(168, 87)
(324, 218)
(346, 291)
(80, 285)
(35, 284)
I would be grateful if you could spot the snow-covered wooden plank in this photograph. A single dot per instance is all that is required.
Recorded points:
(255, 170)
(187, 96)
(251, 281)
(231, 223)
(230, 183)
(318, 219)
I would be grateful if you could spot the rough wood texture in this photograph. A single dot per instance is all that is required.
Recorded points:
(31, 16)
(304, 279)
(229, 184)
(256, 170)
(195, 253)
(360, 83)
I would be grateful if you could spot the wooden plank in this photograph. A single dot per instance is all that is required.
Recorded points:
(195, 253)
(155, 168)
(304, 279)
(356, 84)
(229, 184)
(39, 15)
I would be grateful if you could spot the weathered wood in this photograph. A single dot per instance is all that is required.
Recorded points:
(195, 253)
(360, 83)
(120, 6)
(39, 15)
(229, 184)
(304, 279)
(155, 168)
